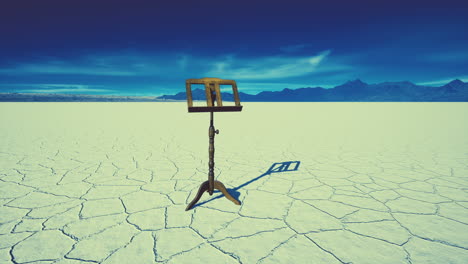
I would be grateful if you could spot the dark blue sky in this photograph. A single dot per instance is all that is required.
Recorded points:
(151, 47)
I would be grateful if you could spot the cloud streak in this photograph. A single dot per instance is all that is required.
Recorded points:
(443, 81)
(64, 67)
(273, 67)
(65, 90)
(117, 64)
(60, 88)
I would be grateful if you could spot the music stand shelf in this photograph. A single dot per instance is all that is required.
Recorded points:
(198, 109)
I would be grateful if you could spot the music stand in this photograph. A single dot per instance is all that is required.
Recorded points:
(213, 95)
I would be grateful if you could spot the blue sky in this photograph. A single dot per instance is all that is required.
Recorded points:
(151, 47)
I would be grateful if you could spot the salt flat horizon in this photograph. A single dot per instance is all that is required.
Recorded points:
(109, 183)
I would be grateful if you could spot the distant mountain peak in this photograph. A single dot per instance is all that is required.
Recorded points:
(456, 82)
(352, 86)
(357, 81)
(454, 85)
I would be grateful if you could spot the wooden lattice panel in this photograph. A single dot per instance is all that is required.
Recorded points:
(214, 101)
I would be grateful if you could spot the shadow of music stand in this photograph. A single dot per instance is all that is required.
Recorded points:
(213, 95)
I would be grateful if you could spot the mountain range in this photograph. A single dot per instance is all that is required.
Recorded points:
(51, 97)
(352, 91)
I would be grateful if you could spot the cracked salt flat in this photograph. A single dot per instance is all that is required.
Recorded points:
(109, 183)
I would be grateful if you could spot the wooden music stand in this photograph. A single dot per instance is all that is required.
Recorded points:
(213, 95)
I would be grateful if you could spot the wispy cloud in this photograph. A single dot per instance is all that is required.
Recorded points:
(443, 81)
(59, 88)
(122, 64)
(273, 67)
(63, 67)
(64, 90)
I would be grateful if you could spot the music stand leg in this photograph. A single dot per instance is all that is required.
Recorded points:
(220, 186)
(203, 188)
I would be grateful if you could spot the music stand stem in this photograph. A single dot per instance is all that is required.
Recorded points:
(211, 132)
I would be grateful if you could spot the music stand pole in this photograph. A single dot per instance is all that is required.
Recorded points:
(211, 132)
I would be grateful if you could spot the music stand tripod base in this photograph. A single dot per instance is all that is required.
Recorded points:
(213, 94)
(204, 187)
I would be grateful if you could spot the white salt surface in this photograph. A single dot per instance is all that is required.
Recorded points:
(109, 183)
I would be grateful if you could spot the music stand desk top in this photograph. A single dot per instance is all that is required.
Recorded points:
(212, 87)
